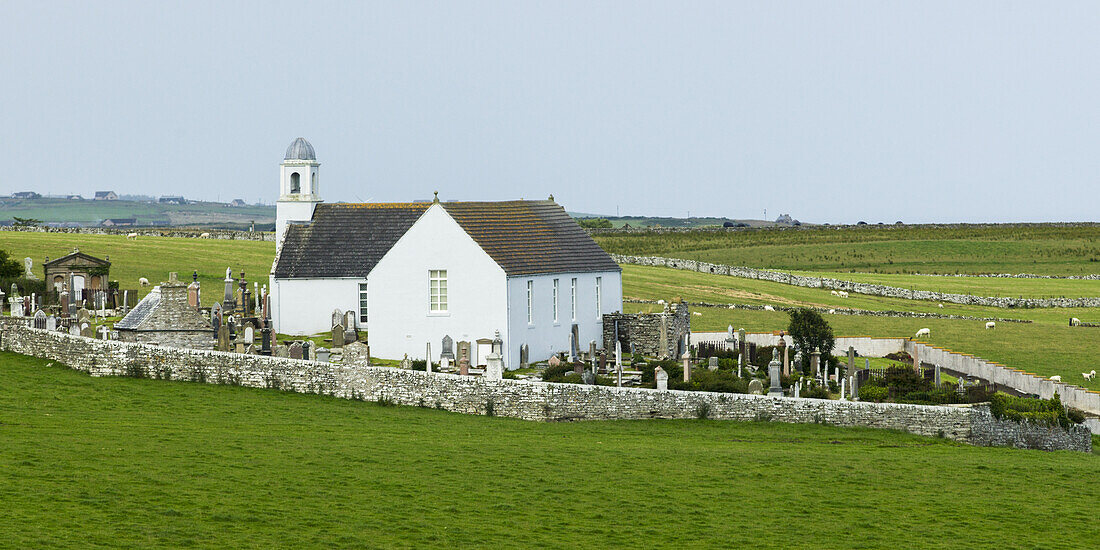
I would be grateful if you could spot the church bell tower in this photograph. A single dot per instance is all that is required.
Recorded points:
(298, 191)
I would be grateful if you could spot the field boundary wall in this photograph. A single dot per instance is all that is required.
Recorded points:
(222, 234)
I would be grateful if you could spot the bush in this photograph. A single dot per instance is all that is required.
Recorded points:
(1077, 416)
(1046, 411)
(813, 390)
(556, 374)
(869, 392)
(9, 267)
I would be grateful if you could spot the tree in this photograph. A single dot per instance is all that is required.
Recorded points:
(810, 331)
(9, 267)
(594, 223)
(25, 222)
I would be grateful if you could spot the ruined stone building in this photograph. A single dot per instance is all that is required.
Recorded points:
(165, 317)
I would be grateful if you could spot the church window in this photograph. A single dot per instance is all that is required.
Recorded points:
(363, 304)
(573, 298)
(599, 284)
(555, 300)
(295, 183)
(313, 183)
(437, 289)
(530, 302)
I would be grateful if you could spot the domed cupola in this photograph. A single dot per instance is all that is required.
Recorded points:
(300, 150)
(299, 192)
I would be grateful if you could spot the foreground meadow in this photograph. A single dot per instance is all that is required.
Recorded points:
(88, 462)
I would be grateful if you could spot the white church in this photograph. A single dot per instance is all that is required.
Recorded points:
(417, 272)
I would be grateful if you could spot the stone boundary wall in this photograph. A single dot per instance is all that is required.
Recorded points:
(222, 234)
(848, 311)
(520, 399)
(851, 286)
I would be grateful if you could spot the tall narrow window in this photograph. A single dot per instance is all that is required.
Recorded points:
(363, 304)
(555, 300)
(437, 289)
(573, 299)
(530, 302)
(295, 183)
(599, 310)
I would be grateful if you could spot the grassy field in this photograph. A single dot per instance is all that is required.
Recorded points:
(89, 211)
(152, 257)
(1039, 249)
(978, 286)
(87, 462)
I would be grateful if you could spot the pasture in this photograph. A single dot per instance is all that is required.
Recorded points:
(88, 462)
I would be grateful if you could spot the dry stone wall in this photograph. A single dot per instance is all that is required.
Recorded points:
(223, 234)
(518, 399)
(851, 286)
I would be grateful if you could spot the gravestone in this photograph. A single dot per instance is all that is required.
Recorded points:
(337, 335)
(249, 334)
(815, 361)
(51, 323)
(781, 348)
(306, 347)
(661, 377)
(756, 387)
(428, 357)
(83, 316)
(40, 319)
(592, 349)
(578, 367)
(280, 351)
(223, 338)
(601, 363)
(712, 363)
(774, 367)
(351, 324)
(448, 349)
(554, 361)
(337, 317)
(662, 339)
(86, 330)
(238, 345)
(406, 363)
(28, 268)
(686, 358)
(523, 355)
(494, 367)
(295, 351)
(851, 360)
(193, 294)
(445, 364)
(464, 350)
(64, 299)
(574, 339)
(589, 378)
(74, 329)
(265, 341)
(323, 355)
(464, 366)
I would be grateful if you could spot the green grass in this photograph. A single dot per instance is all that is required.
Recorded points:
(152, 257)
(1041, 249)
(88, 462)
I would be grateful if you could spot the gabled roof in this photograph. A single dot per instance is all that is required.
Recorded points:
(530, 237)
(344, 240)
(165, 308)
(523, 237)
(75, 255)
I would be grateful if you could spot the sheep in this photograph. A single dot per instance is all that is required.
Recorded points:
(204, 236)
(834, 293)
(991, 324)
(924, 332)
(660, 302)
(1089, 375)
(131, 236)
(1056, 378)
(832, 311)
(1074, 322)
(842, 293)
(941, 306)
(769, 308)
(697, 313)
(143, 281)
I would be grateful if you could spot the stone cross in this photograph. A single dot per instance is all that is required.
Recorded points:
(661, 376)
(104, 332)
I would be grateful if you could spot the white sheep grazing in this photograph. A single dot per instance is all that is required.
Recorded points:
(1056, 378)
(842, 293)
(1089, 375)
(832, 311)
(660, 302)
(143, 281)
(131, 236)
(941, 306)
(204, 236)
(697, 313)
(769, 308)
(1074, 322)
(834, 293)
(991, 324)
(924, 332)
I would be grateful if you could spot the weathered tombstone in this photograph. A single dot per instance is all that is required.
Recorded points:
(406, 363)
(86, 330)
(125, 301)
(238, 345)
(445, 364)
(755, 387)
(323, 355)
(661, 377)
(851, 359)
(223, 338)
(428, 357)
(815, 361)
(448, 349)
(83, 316)
(337, 335)
(592, 349)
(28, 306)
(494, 367)
(104, 332)
(337, 317)
(464, 366)
(554, 361)
(686, 358)
(781, 349)
(776, 389)
(573, 343)
(193, 294)
(265, 340)
(464, 350)
(295, 351)
(64, 299)
(712, 363)
(601, 363)
(280, 351)
(28, 268)
(662, 339)
(249, 334)
(74, 329)
(523, 355)
(937, 376)
(589, 377)
(578, 367)
(618, 363)
(841, 384)
(51, 323)
(40, 319)
(916, 359)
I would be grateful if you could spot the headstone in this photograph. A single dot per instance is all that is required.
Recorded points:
(464, 350)
(589, 378)
(662, 338)
(756, 387)
(618, 363)
(494, 367)
(193, 294)
(592, 348)
(916, 359)
(445, 364)
(776, 389)
(601, 363)
(712, 363)
(406, 363)
(937, 376)
(661, 376)
(338, 336)
(51, 323)
(686, 358)
(28, 306)
(265, 341)
(578, 367)
(83, 316)
(553, 361)
(573, 343)
(464, 366)
(306, 347)
(323, 355)
(739, 372)
(448, 349)
(125, 301)
(238, 345)
(104, 332)
(781, 349)
(249, 334)
(280, 351)
(40, 319)
(74, 329)
(28, 268)
(86, 330)
(350, 322)
(295, 351)
(223, 338)
(842, 384)
(523, 356)
(337, 317)
(851, 359)
(428, 357)
(798, 389)
(815, 360)
(64, 299)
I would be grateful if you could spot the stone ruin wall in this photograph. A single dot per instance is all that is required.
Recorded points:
(850, 286)
(518, 399)
(644, 330)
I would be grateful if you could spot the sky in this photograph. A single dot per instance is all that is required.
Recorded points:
(832, 112)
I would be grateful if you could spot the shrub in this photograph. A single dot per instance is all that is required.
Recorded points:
(1077, 416)
(703, 379)
(813, 390)
(870, 392)
(1047, 411)
(702, 412)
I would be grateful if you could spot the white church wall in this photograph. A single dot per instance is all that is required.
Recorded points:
(399, 321)
(304, 306)
(545, 337)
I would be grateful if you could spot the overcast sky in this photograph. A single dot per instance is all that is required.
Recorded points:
(830, 111)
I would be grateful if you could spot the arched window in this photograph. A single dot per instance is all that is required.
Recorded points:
(313, 184)
(295, 183)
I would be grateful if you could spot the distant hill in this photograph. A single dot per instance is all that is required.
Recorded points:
(656, 221)
(89, 212)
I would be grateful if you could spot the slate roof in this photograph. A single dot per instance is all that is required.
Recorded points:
(165, 308)
(344, 240)
(523, 237)
(142, 311)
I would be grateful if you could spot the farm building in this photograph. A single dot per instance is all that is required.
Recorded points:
(416, 273)
(106, 196)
